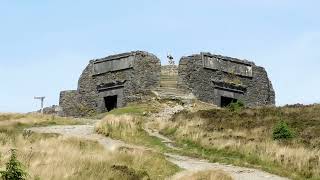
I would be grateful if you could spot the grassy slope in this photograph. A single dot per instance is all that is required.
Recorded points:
(245, 138)
(129, 129)
(241, 138)
(305, 121)
(73, 158)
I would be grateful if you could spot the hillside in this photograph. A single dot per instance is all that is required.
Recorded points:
(242, 137)
(136, 140)
(246, 138)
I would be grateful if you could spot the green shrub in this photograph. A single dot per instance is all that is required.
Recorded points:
(236, 106)
(14, 169)
(282, 131)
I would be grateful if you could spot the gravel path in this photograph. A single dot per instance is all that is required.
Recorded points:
(193, 165)
(84, 132)
(238, 173)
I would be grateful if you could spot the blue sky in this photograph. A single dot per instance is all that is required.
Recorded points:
(45, 45)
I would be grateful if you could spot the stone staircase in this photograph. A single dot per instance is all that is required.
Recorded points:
(168, 86)
(169, 76)
(168, 80)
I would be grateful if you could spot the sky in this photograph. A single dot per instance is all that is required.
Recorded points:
(45, 45)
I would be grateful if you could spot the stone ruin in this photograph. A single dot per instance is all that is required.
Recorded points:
(116, 80)
(221, 80)
(112, 82)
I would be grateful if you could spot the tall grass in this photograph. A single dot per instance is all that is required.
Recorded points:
(128, 128)
(241, 137)
(120, 126)
(50, 156)
(71, 158)
(34, 119)
(238, 138)
(9, 116)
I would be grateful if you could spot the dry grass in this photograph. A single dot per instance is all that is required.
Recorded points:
(49, 156)
(242, 138)
(128, 128)
(62, 158)
(136, 108)
(9, 116)
(119, 125)
(205, 175)
(249, 142)
(14, 119)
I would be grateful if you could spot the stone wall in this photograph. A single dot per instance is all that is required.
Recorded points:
(169, 70)
(68, 101)
(129, 76)
(203, 75)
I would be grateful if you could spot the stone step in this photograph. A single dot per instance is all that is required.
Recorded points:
(169, 85)
(172, 86)
(169, 89)
(168, 75)
(168, 78)
(174, 94)
(168, 82)
(166, 90)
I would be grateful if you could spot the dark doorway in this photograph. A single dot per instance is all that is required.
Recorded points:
(226, 101)
(110, 102)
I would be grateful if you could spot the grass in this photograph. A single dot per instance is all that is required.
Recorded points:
(129, 129)
(12, 125)
(9, 116)
(229, 156)
(241, 138)
(127, 124)
(138, 109)
(35, 119)
(126, 110)
(245, 138)
(50, 156)
(71, 158)
(208, 175)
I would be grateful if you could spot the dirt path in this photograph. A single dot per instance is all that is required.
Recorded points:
(238, 173)
(85, 132)
(191, 165)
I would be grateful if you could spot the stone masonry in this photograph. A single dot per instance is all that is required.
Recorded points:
(114, 81)
(220, 80)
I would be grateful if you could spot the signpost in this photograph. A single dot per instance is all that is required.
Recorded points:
(42, 100)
